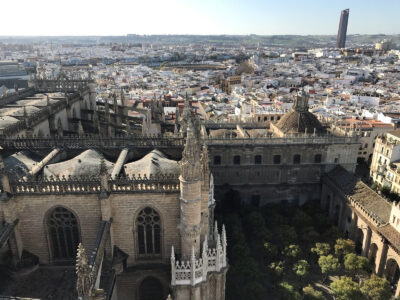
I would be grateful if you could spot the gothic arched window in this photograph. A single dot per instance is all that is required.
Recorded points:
(149, 232)
(64, 235)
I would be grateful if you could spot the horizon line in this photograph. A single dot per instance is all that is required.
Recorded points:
(189, 34)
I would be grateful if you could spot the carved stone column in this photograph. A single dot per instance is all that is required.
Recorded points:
(366, 242)
(381, 258)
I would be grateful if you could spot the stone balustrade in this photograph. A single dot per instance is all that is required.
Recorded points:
(260, 141)
(60, 84)
(156, 141)
(195, 270)
(92, 184)
(91, 141)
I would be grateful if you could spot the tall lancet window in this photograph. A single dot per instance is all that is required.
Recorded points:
(149, 232)
(64, 235)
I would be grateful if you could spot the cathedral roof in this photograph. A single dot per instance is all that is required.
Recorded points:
(85, 164)
(6, 121)
(19, 164)
(154, 163)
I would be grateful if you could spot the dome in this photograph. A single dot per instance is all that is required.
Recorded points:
(299, 122)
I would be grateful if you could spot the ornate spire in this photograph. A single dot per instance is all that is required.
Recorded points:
(224, 242)
(122, 94)
(205, 170)
(172, 254)
(5, 182)
(26, 117)
(186, 114)
(190, 163)
(84, 281)
(81, 132)
(115, 103)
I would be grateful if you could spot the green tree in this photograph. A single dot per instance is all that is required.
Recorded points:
(309, 293)
(302, 219)
(343, 247)
(292, 251)
(270, 250)
(332, 233)
(255, 225)
(376, 288)
(254, 291)
(328, 264)
(309, 235)
(321, 249)
(286, 234)
(355, 263)
(276, 269)
(301, 268)
(288, 292)
(385, 190)
(248, 268)
(345, 288)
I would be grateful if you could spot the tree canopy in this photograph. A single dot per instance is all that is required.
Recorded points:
(321, 249)
(376, 288)
(345, 288)
(329, 264)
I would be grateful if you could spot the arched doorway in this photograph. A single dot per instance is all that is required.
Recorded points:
(373, 249)
(359, 238)
(151, 289)
(63, 231)
(392, 271)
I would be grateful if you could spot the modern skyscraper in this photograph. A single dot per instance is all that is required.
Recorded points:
(341, 37)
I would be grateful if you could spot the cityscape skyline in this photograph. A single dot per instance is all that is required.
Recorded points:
(224, 17)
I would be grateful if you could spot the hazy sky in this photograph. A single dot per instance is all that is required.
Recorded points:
(119, 17)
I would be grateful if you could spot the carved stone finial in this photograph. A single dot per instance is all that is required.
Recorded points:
(224, 242)
(172, 254)
(81, 132)
(84, 281)
(103, 167)
(205, 162)
(192, 255)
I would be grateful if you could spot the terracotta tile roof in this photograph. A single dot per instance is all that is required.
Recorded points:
(351, 186)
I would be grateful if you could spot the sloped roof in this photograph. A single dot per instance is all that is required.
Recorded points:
(85, 164)
(360, 192)
(154, 163)
(19, 164)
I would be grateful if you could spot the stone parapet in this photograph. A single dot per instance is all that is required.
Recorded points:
(92, 184)
(195, 270)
